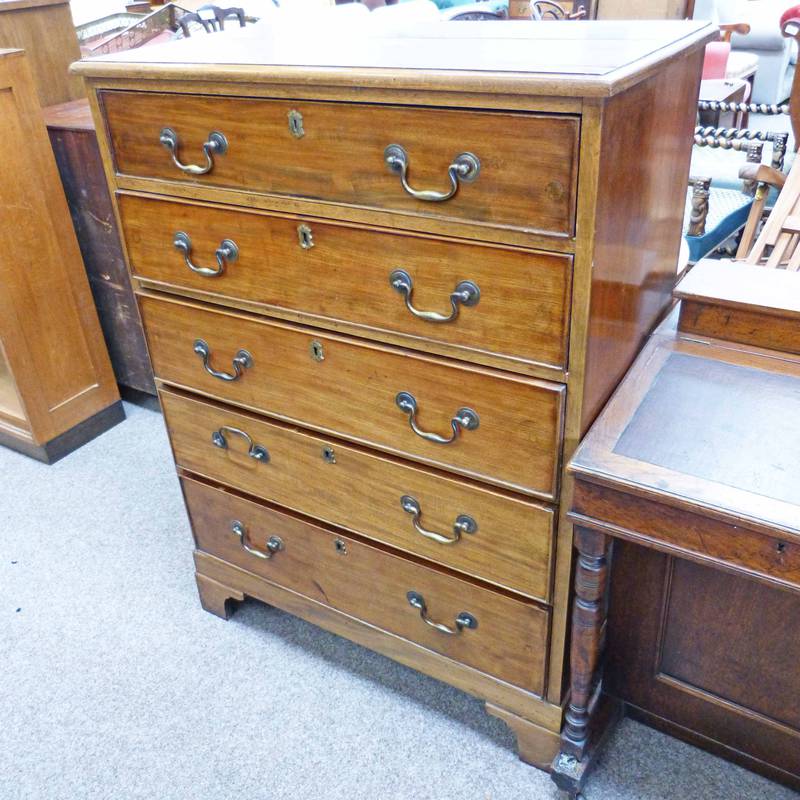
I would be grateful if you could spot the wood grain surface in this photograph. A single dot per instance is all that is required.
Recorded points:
(361, 491)
(340, 157)
(371, 584)
(561, 59)
(48, 324)
(46, 32)
(81, 169)
(522, 314)
(709, 657)
(352, 391)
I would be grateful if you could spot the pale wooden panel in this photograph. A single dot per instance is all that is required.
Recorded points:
(48, 322)
(47, 34)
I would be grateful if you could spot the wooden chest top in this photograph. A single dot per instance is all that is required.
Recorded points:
(567, 59)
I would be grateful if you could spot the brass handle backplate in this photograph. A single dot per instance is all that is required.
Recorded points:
(466, 293)
(274, 543)
(463, 523)
(256, 451)
(464, 419)
(241, 361)
(464, 620)
(465, 168)
(216, 144)
(226, 253)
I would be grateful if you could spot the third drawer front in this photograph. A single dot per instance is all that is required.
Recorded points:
(491, 425)
(508, 302)
(473, 529)
(491, 631)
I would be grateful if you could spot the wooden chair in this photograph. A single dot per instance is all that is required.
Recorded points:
(706, 136)
(546, 9)
(211, 17)
(790, 28)
(475, 11)
(538, 10)
(718, 210)
(778, 243)
(716, 214)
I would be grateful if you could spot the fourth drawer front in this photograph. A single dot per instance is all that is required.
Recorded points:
(470, 528)
(487, 424)
(491, 631)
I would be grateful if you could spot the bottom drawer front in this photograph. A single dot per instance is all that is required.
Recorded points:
(490, 631)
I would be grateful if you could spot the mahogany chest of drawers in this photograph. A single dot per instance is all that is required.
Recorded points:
(387, 281)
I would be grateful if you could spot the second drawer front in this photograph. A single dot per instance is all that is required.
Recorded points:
(342, 273)
(507, 429)
(504, 636)
(526, 179)
(502, 540)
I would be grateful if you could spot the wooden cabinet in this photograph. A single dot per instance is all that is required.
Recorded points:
(74, 143)
(45, 31)
(386, 283)
(689, 475)
(57, 389)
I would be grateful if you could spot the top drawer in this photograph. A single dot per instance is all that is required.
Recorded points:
(337, 152)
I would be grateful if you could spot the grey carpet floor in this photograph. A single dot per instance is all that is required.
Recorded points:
(115, 684)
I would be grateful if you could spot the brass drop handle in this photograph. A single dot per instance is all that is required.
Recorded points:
(465, 168)
(274, 543)
(464, 419)
(463, 523)
(226, 253)
(241, 361)
(466, 293)
(216, 144)
(463, 620)
(256, 451)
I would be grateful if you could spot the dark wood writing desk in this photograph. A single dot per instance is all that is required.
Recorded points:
(692, 472)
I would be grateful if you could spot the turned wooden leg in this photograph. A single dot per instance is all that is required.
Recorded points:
(589, 613)
(214, 596)
(535, 745)
(588, 632)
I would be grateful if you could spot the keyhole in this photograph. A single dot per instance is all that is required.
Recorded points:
(329, 455)
(341, 547)
(781, 547)
(317, 351)
(305, 236)
(296, 124)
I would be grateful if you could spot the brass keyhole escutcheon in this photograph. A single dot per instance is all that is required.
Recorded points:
(305, 236)
(340, 547)
(317, 350)
(296, 124)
